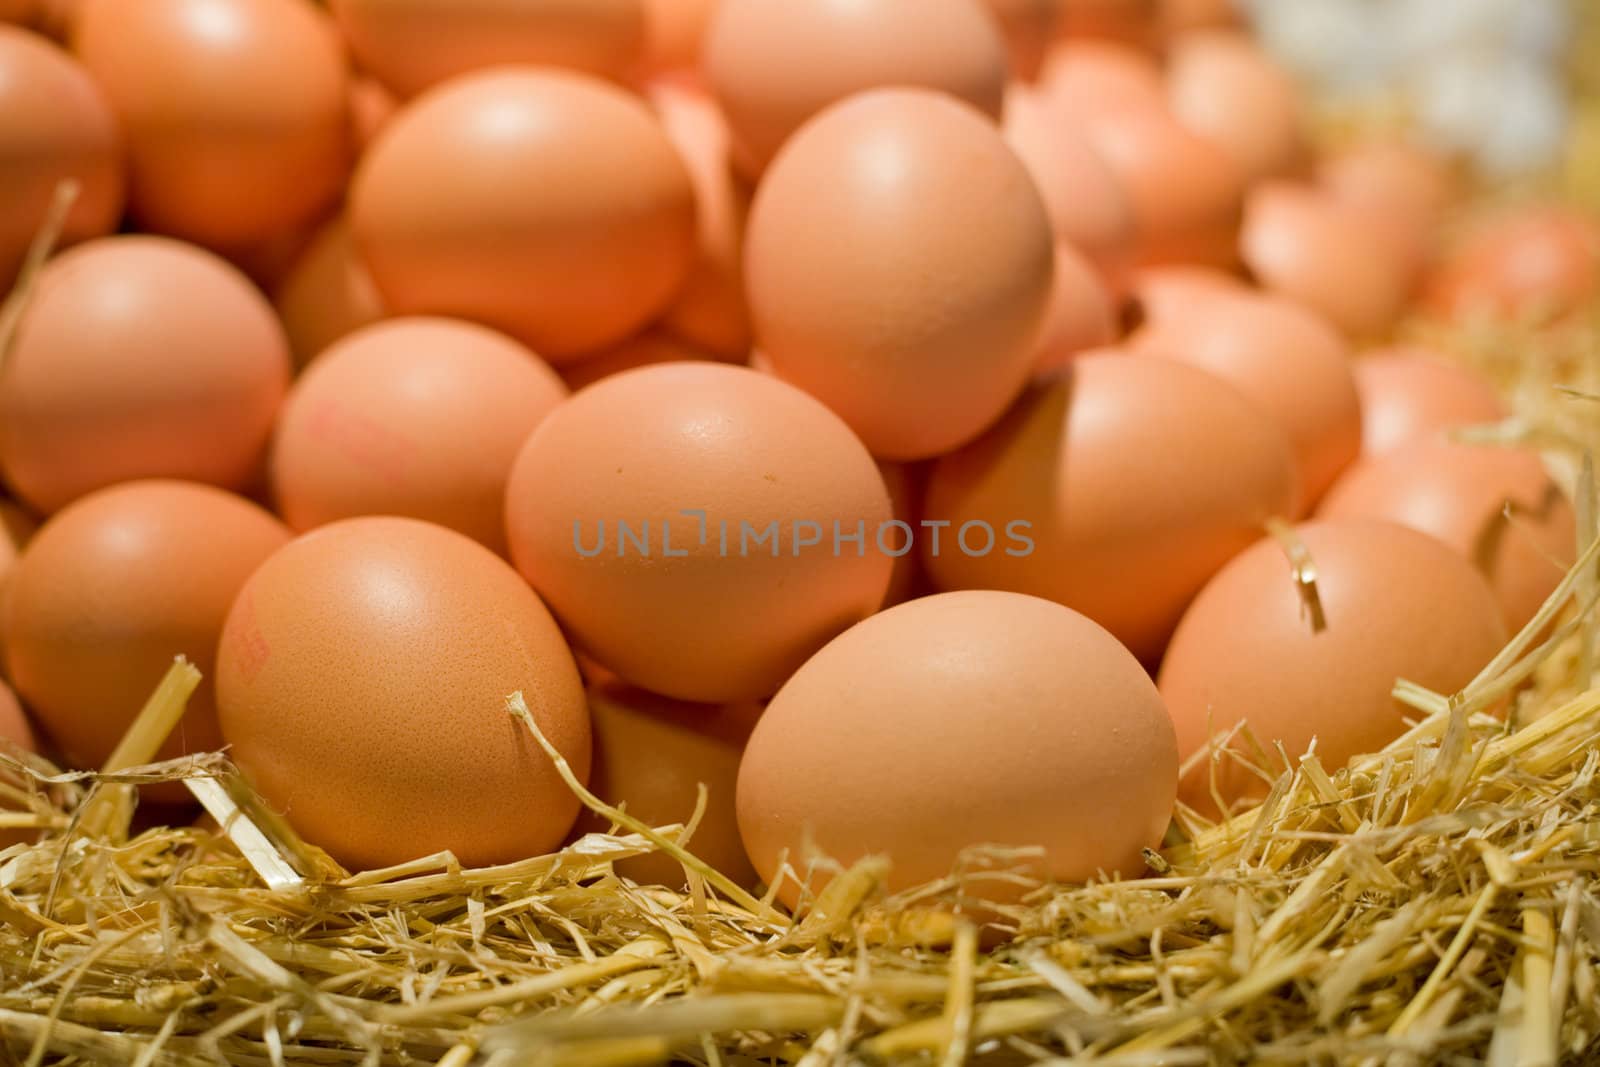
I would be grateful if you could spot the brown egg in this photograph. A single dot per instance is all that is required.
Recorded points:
(114, 587)
(651, 755)
(1226, 87)
(1393, 604)
(1116, 489)
(1029, 27)
(1185, 190)
(268, 263)
(1541, 262)
(1411, 394)
(1087, 204)
(1129, 22)
(371, 108)
(139, 357)
(906, 482)
(1282, 356)
(1304, 244)
(709, 311)
(550, 206)
(362, 679)
(681, 521)
(16, 529)
(414, 417)
(412, 45)
(1460, 494)
(54, 124)
(675, 31)
(1089, 79)
(1171, 292)
(327, 294)
(1182, 16)
(774, 66)
(1082, 314)
(56, 18)
(978, 718)
(1407, 189)
(899, 267)
(14, 730)
(235, 111)
(18, 10)
(645, 350)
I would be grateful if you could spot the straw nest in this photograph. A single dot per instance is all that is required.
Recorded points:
(1437, 902)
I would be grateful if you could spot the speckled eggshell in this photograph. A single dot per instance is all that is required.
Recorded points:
(139, 357)
(14, 729)
(959, 720)
(1396, 604)
(415, 417)
(899, 267)
(55, 124)
(1540, 262)
(1139, 478)
(1224, 86)
(1304, 244)
(1083, 315)
(551, 206)
(651, 755)
(1459, 494)
(413, 45)
(678, 613)
(1410, 394)
(362, 679)
(775, 65)
(327, 293)
(235, 111)
(1283, 356)
(109, 591)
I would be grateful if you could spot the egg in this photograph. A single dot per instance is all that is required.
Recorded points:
(16, 528)
(1460, 494)
(1086, 79)
(371, 108)
(921, 327)
(774, 66)
(1405, 187)
(675, 31)
(1029, 28)
(14, 730)
(1117, 489)
(1282, 356)
(1087, 204)
(225, 146)
(327, 293)
(19, 11)
(651, 756)
(906, 482)
(1412, 394)
(709, 310)
(645, 350)
(1185, 190)
(413, 45)
(138, 357)
(114, 587)
(417, 417)
(1541, 262)
(1182, 16)
(688, 525)
(550, 206)
(1082, 313)
(56, 18)
(1393, 604)
(1223, 86)
(362, 678)
(1128, 22)
(1302, 243)
(55, 124)
(959, 720)
(1171, 292)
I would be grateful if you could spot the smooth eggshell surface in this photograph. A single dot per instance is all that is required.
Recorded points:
(1539, 262)
(1088, 78)
(675, 32)
(645, 350)
(55, 124)
(327, 293)
(16, 528)
(1083, 315)
(774, 66)
(1285, 358)
(959, 720)
(1224, 87)
(362, 680)
(110, 590)
(1410, 394)
(1406, 188)
(1394, 603)
(651, 755)
(674, 607)
(412, 45)
(14, 729)
(548, 205)
(1140, 478)
(414, 417)
(235, 111)
(1460, 494)
(139, 357)
(899, 268)
(1029, 27)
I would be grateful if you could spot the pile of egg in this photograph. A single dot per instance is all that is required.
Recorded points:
(872, 411)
